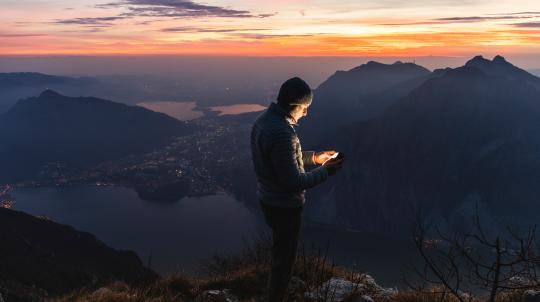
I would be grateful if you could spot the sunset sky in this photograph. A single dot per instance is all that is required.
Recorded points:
(275, 28)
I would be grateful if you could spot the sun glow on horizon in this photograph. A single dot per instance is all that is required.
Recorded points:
(280, 28)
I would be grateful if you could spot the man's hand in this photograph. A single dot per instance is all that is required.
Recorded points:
(321, 157)
(333, 165)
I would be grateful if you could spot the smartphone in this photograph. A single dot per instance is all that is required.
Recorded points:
(337, 155)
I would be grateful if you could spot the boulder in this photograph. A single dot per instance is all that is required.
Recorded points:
(217, 295)
(519, 281)
(335, 290)
(338, 289)
(363, 298)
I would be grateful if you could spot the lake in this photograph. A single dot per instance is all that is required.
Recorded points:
(186, 111)
(178, 235)
(183, 111)
(237, 109)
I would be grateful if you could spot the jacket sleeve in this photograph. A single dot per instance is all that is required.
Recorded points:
(307, 158)
(283, 154)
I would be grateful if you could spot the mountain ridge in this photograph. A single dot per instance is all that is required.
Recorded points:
(44, 258)
(79, 131)
(359, 94)
(456, 139)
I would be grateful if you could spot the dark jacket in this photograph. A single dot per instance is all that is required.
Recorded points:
(279, 161)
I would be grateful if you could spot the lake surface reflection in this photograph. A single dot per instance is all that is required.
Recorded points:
(178, 235)
(186, 111)
(237, 109)
(175, 235)
(183, 111)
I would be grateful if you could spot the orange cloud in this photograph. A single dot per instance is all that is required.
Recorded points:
(261, 43)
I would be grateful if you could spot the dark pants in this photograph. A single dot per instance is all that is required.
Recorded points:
(285, 224)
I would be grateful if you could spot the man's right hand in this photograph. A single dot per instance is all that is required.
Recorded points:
(333, 166)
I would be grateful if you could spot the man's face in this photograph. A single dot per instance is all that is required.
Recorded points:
(299, 111)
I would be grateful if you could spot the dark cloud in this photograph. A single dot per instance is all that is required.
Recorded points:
(178, 8)
(412, 23)
(147, 22)
(90, 30)
(479, 18)
(519, 13)
(467, 19)
(190, 29)
(99, 21)
(266, 15)
(527, 24)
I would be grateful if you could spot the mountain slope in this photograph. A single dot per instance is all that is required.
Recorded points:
(358, 94)
(468, 136)
(38, 254)
(77, 131)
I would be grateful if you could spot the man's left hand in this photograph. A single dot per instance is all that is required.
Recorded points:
(321, 157)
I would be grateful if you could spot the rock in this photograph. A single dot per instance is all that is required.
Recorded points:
(296, 285)
(519, 281)
(372, 287)
(336, 289)
(531, 296)
(363, 298)
(463, 295)
(217, 295)
(368, 280)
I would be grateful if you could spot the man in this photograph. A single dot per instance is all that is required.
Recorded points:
(281, 179)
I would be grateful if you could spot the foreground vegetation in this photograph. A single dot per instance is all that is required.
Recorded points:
(243, 277)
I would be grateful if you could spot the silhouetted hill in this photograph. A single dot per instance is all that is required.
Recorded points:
(17, 85)
(359, 94)
(78, 132)
(38, 254)
(467, 136)
(499, 67)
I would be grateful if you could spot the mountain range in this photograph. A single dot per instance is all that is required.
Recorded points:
(77, 132)
(445, 142)
(359, 94)
(464, 138)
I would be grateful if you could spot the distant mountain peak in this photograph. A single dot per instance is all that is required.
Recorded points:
(371, 63)
(49, 93)
(481, 61)
(499, 59)
(477, 60)
(398, 65)
(501, 68)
